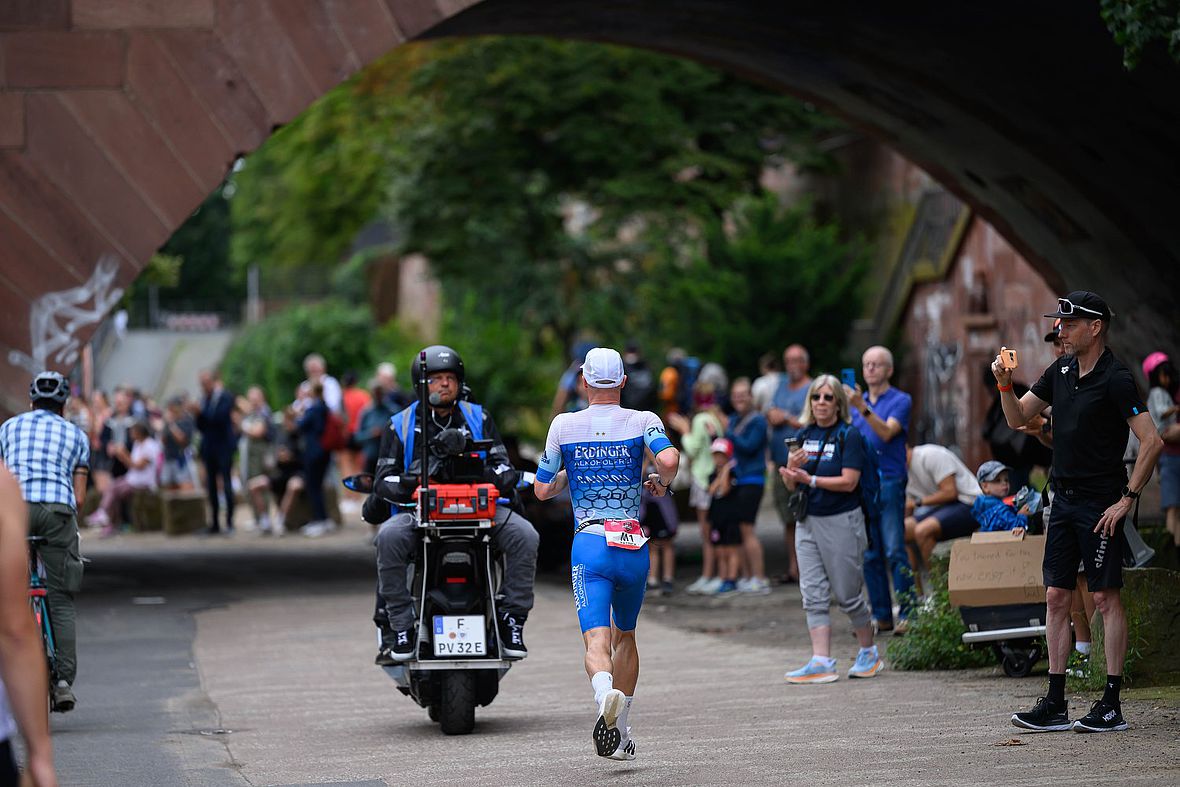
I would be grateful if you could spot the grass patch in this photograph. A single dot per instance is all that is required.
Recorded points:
(934, 640)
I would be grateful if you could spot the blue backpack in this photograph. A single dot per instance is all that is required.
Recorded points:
(870, 482)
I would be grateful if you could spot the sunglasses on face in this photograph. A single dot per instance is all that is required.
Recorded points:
(824, 397)
(1068, 307)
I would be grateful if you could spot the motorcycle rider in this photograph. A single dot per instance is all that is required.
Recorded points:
(399, 467)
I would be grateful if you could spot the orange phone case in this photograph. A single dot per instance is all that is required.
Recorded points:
(1008, 358)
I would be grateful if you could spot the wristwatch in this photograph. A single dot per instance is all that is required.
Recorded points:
(812, 482)
(1128, 493)
(865, 413)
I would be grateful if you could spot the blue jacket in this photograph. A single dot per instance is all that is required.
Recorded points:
(992, 514)
(748, 434)
(215, 421)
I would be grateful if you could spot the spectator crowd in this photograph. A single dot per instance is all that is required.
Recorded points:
(236, 445)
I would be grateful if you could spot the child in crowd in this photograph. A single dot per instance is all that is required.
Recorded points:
(724, 517)
(659, 519)
(990, 510)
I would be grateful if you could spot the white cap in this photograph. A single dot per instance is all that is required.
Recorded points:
(603, 368)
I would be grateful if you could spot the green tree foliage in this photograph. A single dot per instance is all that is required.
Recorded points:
(1137, 24)
(531, 166)
(303, 196)
(271, 353)
(775, 275)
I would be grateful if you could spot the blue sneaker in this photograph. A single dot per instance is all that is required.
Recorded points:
(868, 663)
(725, 588)
(815, 671)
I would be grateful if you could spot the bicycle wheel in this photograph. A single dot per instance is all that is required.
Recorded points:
(45, 625)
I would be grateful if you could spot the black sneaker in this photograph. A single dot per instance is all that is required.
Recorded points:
(1045, 716)
(512, 636)
(1103, 717)
(405, 645)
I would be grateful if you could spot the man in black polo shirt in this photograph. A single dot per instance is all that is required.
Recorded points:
(1095, 400)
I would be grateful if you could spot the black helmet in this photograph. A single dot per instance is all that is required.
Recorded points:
(49, 385)
(440, 358)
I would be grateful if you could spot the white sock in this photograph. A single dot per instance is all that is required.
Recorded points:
(622, 723)
(602, 682)
(1082, 647)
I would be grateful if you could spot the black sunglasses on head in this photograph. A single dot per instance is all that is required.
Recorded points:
(825, 397)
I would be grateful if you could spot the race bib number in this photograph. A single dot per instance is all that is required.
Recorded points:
(624, 533)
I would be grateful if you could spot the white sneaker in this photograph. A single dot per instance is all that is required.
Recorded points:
(711, 587)
(698, 586)
(759, 586)
(317, 529)
(607, 737)
(746, 584)
(626, 750)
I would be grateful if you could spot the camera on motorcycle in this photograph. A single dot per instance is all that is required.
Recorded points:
(361, 482)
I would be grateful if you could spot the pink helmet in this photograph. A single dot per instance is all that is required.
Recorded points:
(1152, 361)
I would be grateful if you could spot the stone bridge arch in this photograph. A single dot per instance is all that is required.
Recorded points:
(118, 116)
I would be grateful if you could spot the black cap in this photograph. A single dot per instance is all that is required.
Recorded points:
(1055, 332)
(1082, 304)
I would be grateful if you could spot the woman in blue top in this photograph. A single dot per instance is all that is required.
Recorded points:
(747, 432)
(830, 540)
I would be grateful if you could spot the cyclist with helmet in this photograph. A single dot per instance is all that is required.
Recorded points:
(51, 458)
(399, 458)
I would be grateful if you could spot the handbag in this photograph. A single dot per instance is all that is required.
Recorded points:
(800, 498)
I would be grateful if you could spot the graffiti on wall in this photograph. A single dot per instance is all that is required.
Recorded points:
(56, 317)
(940, 416)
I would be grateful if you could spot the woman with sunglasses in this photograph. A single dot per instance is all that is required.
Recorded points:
(830, 536)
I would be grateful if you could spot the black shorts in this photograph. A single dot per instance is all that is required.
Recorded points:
(749, 497)
(9, 775)
(954, 519)
(724, 524)
(1070, 537)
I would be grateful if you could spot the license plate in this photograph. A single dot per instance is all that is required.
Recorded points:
(459, 636)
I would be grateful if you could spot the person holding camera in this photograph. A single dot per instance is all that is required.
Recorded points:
(1095, 403)
(399, 469)
(830, 537)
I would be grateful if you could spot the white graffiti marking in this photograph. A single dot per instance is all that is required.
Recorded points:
(56, 317)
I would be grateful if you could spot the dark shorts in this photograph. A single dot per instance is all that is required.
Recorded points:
(1070, 537)
(8, 772)
(658, 516)
(954, 519)
(749, 497)
(724, 525)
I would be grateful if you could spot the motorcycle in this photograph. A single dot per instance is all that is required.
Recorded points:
(454, 580)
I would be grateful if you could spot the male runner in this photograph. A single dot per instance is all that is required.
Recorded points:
(598, 453)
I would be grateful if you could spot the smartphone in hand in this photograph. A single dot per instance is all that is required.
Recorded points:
(1008, 358)
(848, 376)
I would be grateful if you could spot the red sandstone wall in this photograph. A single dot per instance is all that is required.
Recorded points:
(953, 328)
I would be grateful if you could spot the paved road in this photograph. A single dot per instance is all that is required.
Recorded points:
(243, 661)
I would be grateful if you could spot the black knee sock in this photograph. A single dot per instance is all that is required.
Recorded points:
(1056, 689)
(1114, 684)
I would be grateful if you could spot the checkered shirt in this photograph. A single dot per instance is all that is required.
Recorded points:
(42, 450)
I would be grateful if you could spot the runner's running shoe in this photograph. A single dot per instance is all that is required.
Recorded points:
(868, 663)
(626, 750)
(607, 737)
(1103, 717)
(814, 671)
(1045, 716)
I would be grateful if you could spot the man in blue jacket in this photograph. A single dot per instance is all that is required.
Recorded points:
(214, 414)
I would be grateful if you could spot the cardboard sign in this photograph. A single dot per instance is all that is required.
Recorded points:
(995, 572)
(996, 537)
